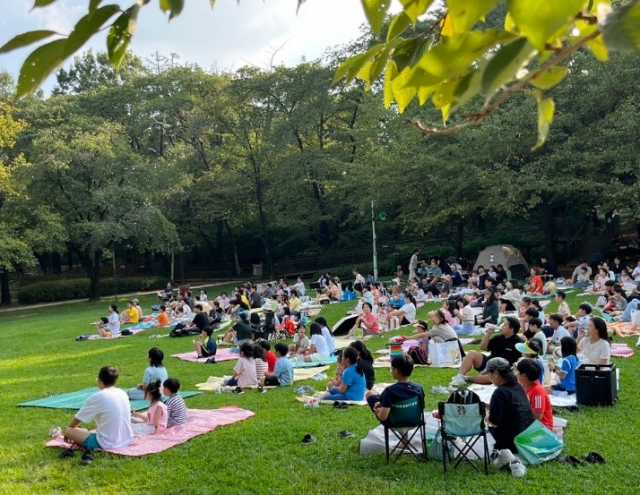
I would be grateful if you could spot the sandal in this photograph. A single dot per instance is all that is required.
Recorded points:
(237, 391)
(308, 438)
(67, 454)
(594, 458)
(346, 434)
(571, 461)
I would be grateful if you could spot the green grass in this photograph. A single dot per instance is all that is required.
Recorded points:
(39, 356)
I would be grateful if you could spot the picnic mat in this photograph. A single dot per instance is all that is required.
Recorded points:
(132, 330)
(385, 362)
(378, 388)
(299, 374)
(621, 350)
(199, 421)
(314, 364)
(623, 328)
(342, 342)
(221, 355)
(75, 400)
(486, 391)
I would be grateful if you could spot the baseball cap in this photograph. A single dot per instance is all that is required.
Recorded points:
(496, 364)
(525, 348)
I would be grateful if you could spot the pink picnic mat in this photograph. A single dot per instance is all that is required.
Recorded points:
(621, 350)
(622, 328)
(97, 337)
(199, 421)
(221, 355)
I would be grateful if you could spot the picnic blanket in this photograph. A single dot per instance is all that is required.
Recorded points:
(75, 400)
(342, 342)
(97, 337)
(199, 421)
(621, 350)
(221, 355)
(314, 364)
(623, 329)
(213, 382)
(486, 391)
(378, 388)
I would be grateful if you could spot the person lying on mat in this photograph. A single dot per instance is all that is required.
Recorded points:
(109, 410)
(283, 373)
(503, 346)
(176, 408)
(403, 389)
(318, 351)
(156, 416)
(155, 371)
(353, 384)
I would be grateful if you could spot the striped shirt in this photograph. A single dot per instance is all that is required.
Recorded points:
(261, 368)
(176, 411)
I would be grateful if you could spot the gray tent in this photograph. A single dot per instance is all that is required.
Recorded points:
(506, 255)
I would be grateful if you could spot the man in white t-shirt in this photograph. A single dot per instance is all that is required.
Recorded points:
(110, 410)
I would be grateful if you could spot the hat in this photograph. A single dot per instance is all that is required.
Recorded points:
(496, 364)
(524, 348)
(267, 307)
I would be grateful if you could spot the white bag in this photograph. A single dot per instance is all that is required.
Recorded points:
(445, 354)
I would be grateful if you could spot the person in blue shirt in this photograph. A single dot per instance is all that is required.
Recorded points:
(283, 372)
(353, 385)
(567, 371)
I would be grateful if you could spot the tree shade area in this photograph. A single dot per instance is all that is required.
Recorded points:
(253, 166)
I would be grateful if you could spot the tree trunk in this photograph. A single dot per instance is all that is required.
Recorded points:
(181, 267)
(6, 293)
(236, 259)
(69, 258)
(94, 294)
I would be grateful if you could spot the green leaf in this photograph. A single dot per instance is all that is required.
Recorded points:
(550, 78)
(120, 34)
(93, 4)
(376, 10)
(25, 39)
(398, 25)
(391, 72)
(504, 65)
(540, 20)
(546, 107)
(352, 66)
(87, 26)
(415, 8)
(39, 64)
(621, 28)
(43, 3)
(465, 14)
(402, 93)
(410, 51)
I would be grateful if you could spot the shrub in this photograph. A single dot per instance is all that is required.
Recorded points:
(64, 290)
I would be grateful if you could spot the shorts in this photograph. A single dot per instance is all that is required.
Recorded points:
(483, 365)
(271, 381)
(405, 321)
(206, 353)
(91, 442)
(560, 388)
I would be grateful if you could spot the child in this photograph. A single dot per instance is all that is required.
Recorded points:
(156, 415)
(269, 356)
(532, 350)
(353, 382)
(584, 275)
(318, 350)
(244, 372)
(567, 372)
(420, 353)
(528, 371)
(206, 346)
(155, 371)
(401, 369)
(536, 287)
(262, 367)
(176, 408)
(283, 373)
(563, 307)
(136, 304)
(163, 317)
(300, 340)
(336, 381)
(102, 327)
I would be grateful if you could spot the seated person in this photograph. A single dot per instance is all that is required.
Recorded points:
(528, 372)
(535, 333)
(176, 408)
(241, 331)
(503, 346)
(163, 317)
(559, 332)
(536, 287)
(405, 315)
(509, 410)
(206, 346)
(367, 320)
(300, 340)
(491, 309)
(366, 358)
(563, 307)
(318, 351)
(129, 315)
(567, 372)
(155, 371)
(244, 372)
(166, 294)
(441, 331)
(283, 372)
(353, 383)
(583, 316)
(403, 389)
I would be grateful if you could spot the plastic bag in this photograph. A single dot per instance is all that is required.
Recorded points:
(538, 444)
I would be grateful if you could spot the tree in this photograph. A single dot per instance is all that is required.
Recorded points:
(454, 59)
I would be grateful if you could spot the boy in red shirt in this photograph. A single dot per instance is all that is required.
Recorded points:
(528, 373)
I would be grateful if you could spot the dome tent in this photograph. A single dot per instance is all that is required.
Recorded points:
(506, 255)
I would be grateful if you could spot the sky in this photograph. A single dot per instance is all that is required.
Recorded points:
(228, 37)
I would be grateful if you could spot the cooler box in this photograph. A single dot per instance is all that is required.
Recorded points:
(596, 384)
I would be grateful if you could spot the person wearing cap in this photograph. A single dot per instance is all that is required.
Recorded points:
(503, 346)
(527, 371)
(509, 410)
(532, 350)
(241, 330)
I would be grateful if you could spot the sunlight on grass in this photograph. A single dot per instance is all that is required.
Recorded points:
(10, 364)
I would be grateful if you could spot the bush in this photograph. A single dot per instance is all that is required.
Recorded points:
(64, 290)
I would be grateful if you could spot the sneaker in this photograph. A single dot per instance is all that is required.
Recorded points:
(517, 468)
(457, 381)
(502, 458)
(87, 458)
(211, 361)
(67, 454)
(237, 391)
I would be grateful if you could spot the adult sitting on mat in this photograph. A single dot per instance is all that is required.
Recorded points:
(110, 410)
(166, 294)
(241, 331)
(405, 315)
(503, 346)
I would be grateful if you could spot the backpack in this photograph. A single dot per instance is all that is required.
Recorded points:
(419, 355)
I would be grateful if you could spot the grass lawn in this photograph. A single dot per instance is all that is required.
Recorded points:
(39, 356)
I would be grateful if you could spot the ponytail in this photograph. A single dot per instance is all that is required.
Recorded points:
(359, 367)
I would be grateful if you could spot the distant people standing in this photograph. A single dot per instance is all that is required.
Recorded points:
(413, 264)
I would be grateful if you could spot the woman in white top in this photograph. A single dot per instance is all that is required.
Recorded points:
(594, 344)
(318, 350)
(407, 313)
(510, 300)
(465, 315)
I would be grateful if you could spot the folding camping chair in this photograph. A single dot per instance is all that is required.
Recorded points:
(462, 416)
(405, 421)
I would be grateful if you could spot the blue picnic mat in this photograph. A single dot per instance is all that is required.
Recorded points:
(75, 400)
(313, 364)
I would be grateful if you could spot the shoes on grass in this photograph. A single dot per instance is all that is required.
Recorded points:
(308, 438)
(211, 361)
(457, 381)
(346, 434)
(237, 391)
(87, 458)
(66, 454)
(502, 457)
(517, 468)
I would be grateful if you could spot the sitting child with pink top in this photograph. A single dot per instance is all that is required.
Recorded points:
(156, 415)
